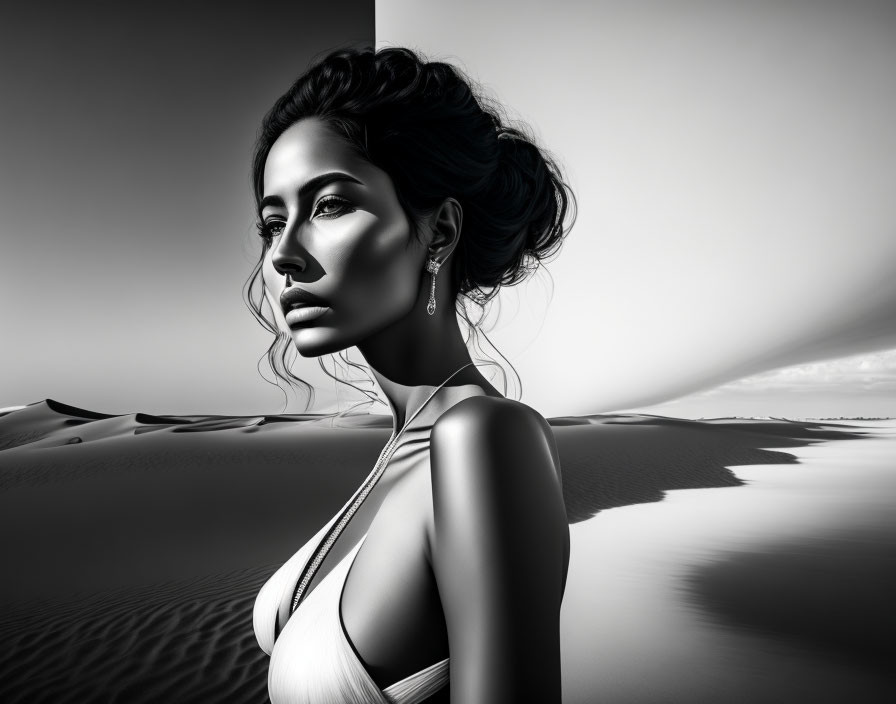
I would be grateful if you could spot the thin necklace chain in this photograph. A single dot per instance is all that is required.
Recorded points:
(360, 495)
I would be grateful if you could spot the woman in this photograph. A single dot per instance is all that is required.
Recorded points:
(386, 191)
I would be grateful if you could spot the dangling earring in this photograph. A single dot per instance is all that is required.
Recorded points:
(432, 266)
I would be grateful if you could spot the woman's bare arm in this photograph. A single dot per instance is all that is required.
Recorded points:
(498, 546)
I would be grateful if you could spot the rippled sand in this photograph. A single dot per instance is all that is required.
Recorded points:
(134, 546)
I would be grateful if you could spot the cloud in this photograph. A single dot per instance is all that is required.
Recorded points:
(873, 373)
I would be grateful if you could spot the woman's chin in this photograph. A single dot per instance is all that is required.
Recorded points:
(314, 342)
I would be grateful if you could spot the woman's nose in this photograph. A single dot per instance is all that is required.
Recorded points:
(288, 258)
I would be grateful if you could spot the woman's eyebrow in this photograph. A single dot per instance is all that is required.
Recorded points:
(310, 186)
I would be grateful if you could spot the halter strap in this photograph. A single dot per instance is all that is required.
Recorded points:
(349, 510)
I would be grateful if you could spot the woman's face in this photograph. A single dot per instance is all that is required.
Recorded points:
(344, 239)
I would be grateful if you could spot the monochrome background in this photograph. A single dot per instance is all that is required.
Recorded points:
(734, 251)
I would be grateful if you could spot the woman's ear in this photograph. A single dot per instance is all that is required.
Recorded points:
(445, 223)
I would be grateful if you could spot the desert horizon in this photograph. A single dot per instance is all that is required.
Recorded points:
(726, 558)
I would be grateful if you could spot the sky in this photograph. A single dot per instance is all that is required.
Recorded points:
(732, 163)
(733, 167)
(126, 214)
(858, 386)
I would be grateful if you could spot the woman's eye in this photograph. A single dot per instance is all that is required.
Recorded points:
(272, 228)
(333, 207)
(326, 208)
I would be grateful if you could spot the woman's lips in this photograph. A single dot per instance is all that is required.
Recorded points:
(302, 314)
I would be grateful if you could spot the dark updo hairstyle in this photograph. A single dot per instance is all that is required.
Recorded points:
(437, 136)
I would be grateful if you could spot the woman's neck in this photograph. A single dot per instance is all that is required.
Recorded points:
(417, 353)
(405, 398)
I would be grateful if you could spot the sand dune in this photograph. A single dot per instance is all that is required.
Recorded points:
(135, 544)
(179, 641)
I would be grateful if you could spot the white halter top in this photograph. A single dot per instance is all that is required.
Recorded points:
(312, 659)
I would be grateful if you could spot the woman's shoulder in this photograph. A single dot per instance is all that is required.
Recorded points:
(495, 478)
(497, 413)
(494, 422)
(494, 435)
